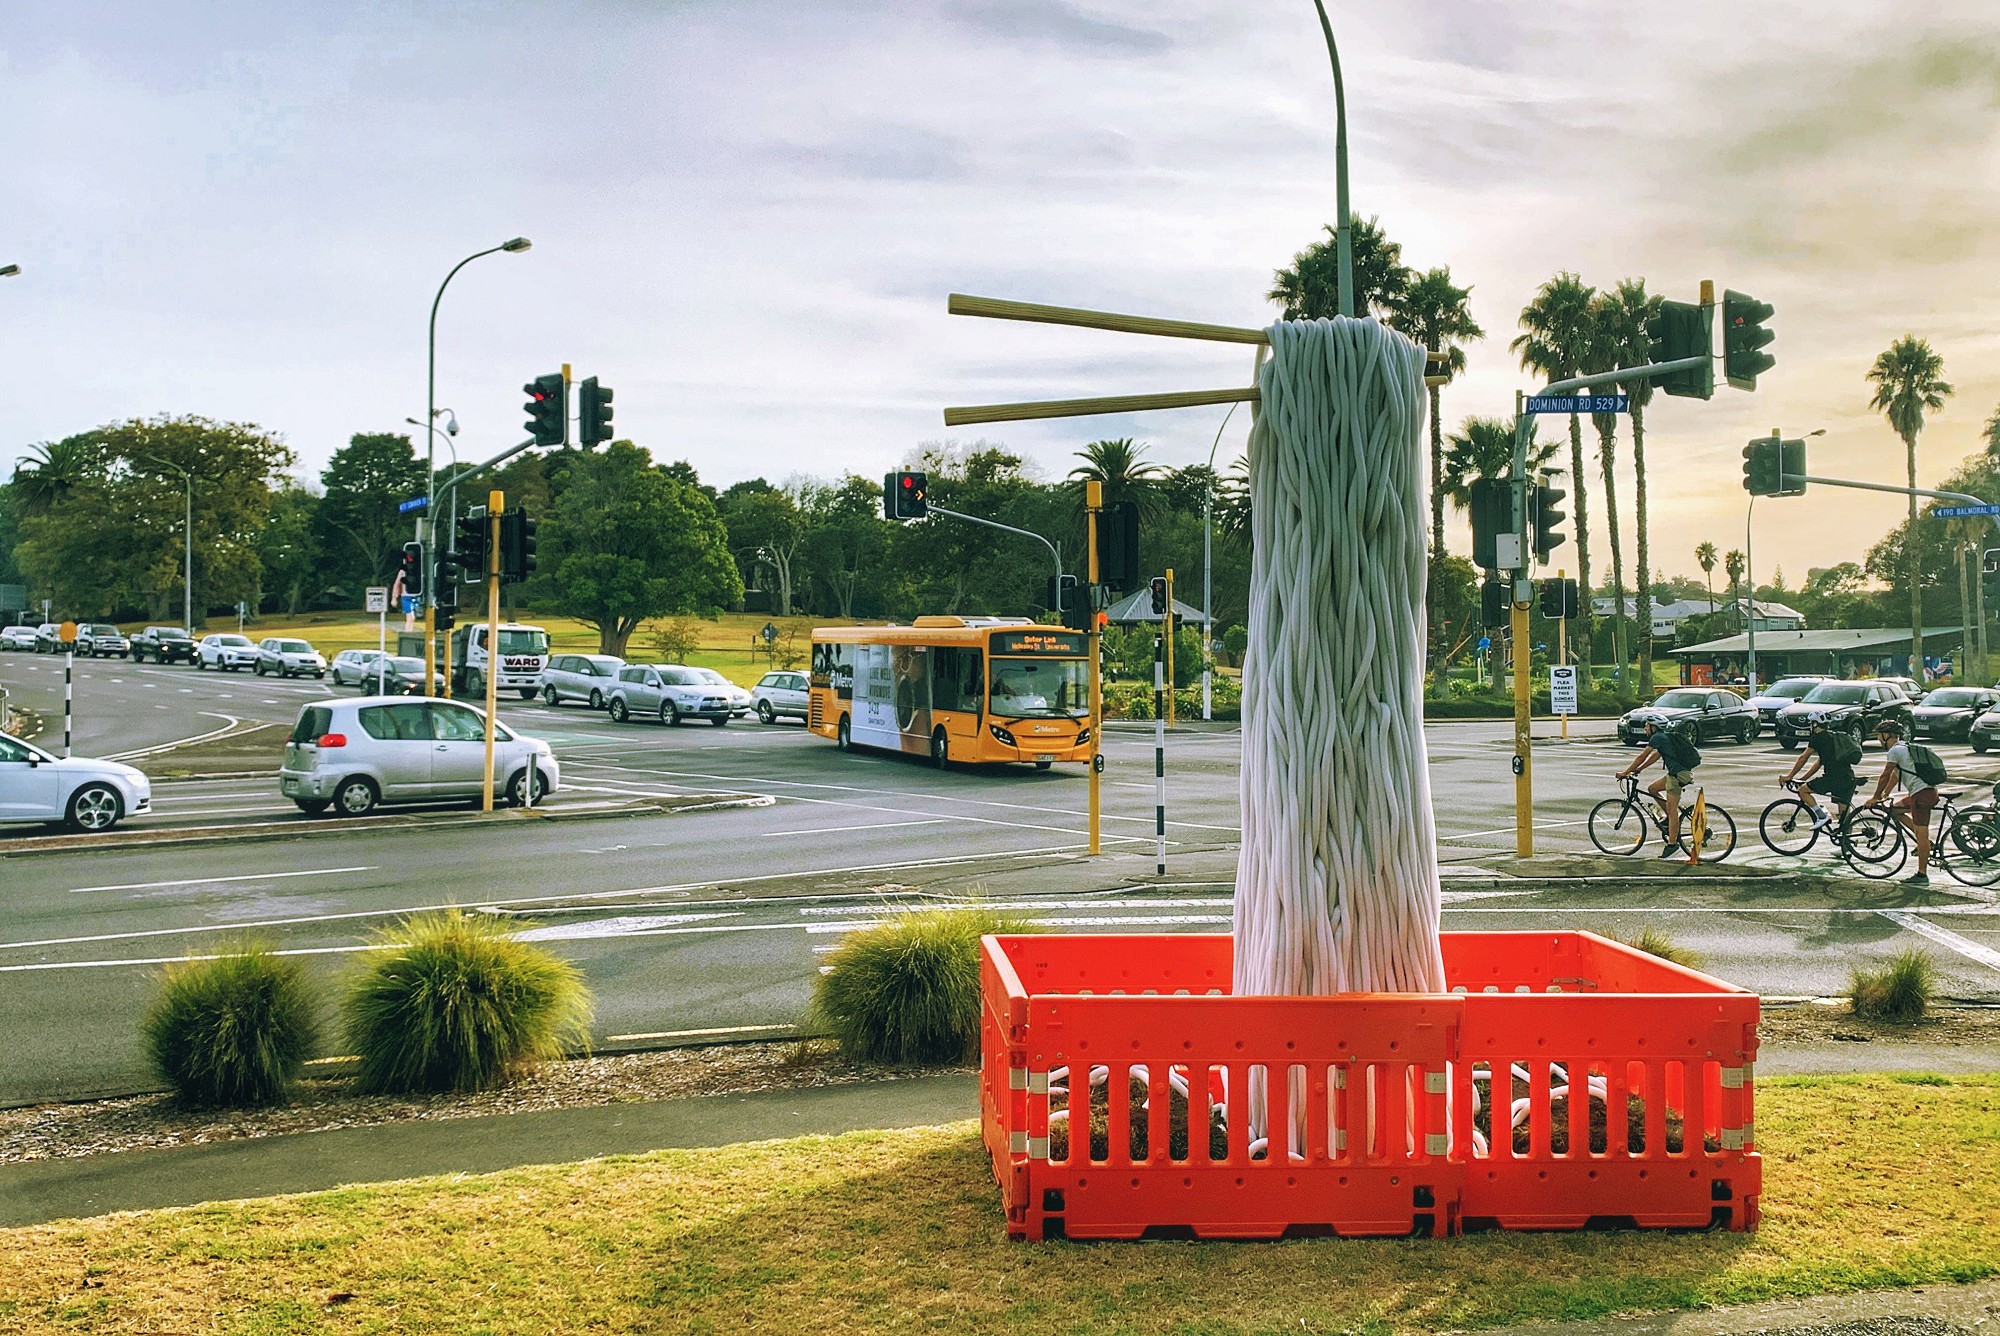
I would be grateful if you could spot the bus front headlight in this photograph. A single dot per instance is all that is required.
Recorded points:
(1003, 735)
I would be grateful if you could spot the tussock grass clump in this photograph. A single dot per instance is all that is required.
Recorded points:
(906, 991)
(231, 1031)
(1656, 943)
(1899, 991)
(451, 1002)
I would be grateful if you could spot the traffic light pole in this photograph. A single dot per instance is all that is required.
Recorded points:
(1008, 528)
(450, 491)
(1169, 637)
(496, 502)
(1093, 500)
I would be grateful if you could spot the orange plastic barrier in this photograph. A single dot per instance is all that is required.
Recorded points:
(1125, 1093)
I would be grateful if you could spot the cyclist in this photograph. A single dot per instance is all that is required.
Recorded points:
(1678, 756)
(1828, 762)
(1913, 810)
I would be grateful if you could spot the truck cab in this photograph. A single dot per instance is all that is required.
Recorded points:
(524, 652)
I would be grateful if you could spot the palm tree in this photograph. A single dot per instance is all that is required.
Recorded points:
(1126, 477)
(1991, 431)
(1908, 379)
(1704, 557)
(1556, 334)
(1484, 448)
(1624, 314)
(52, 469)
(1310, 289)
(1433, 311)
(1733, 566)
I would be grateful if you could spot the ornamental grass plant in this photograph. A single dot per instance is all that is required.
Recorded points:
(232, 1030)
(450, 1002)
(906, 991)
(1900, 991)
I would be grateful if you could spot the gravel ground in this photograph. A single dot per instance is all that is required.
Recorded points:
(323, 1103)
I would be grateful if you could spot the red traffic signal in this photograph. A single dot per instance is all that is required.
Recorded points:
(906, 495)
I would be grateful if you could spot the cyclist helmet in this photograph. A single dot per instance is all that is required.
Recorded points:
(1817, 719)
(1891, 727)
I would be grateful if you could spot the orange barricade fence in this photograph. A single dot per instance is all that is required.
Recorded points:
(1126, 1093)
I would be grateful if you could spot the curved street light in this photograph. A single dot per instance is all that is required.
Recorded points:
(9, 270)
(187, 585)
(1343, 237)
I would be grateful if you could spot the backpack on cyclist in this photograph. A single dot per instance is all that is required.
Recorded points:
(1677, 750)
(1842, 748)
(1929, 765)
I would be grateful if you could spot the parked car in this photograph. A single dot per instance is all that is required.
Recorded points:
(353, 755)
(225, 650)
(101, 640)
(1711, 711)
(584, 677)
(1948, 713)
(48, 637)
(288, 658)
(399, 675)
(1781, 693)
(1910, 687)
(1854, 706)
(17, 637)
(739, 697)
(163, 644)
(86, 795)
(780, 695)
(354, 665)
(668, 692)
(1986, 731)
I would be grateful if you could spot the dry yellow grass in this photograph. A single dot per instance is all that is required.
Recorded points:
(1870, 1182)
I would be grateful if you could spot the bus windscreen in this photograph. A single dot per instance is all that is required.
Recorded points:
(1040, 688)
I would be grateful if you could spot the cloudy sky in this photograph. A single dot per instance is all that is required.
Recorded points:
(746, 215)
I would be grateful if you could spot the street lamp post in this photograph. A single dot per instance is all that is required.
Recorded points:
(1207, 573)
(187, 584)
(512, 247)
(9, 270)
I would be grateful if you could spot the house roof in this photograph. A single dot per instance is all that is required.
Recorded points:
(1851, 640)
(1138, 607)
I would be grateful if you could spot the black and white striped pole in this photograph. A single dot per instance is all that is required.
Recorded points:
(1160, 751)
(69, 671)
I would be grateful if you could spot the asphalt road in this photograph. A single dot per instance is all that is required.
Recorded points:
(715, 920)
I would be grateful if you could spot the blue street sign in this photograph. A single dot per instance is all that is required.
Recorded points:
(410, 602)
(1485, 642)
(414, 503)
(1961, 512)
(1579, 403)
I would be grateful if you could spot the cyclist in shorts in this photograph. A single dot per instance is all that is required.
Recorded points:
(1824, 767)
(1678, 757)
(1920, 798)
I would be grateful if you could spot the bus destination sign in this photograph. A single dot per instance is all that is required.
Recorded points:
(1056, 644)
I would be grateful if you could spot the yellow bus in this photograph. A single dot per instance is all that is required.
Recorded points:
(970, 689)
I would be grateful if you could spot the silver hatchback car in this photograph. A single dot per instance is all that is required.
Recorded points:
(582, 677)
(667, 692)
(352, 755)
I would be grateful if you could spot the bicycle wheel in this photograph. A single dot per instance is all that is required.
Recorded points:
(1618, 826)
(1718, 834)
(1970, 847)
(1787, 826)
(1873, 844)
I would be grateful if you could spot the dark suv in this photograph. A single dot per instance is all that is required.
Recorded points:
(1710, 711)
(164, 644)
(1853, 707)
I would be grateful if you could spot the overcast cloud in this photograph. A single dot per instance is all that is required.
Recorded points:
(746, 216)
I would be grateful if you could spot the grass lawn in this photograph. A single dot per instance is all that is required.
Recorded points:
(1869, 1182)
(725, 640)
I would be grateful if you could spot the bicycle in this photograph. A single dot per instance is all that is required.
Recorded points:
(1618, 825)
(1867, 839)
(1966, 843)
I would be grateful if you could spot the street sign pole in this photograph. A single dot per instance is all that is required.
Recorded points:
(496, 502)
(1170, 647)
(1562, 649)
(378, 602)
(1093, 500)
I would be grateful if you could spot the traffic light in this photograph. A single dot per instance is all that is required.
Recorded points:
(471, 545)
(1061, 592)
(906, 495)
(413, 569)
(1496, 600)
(1989, 576)
(547, 409)
(1681, 330)
(593, 413)
(1159, 588)
(444, 592)
(1743, 334)
(1548, 520)
(1492, 520)
(517, 546)
(1118, 546)
(1792, 459)
(1763, 467)
(1558, 598)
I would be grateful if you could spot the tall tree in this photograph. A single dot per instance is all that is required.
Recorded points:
(1437, 313)
(847, 543)
(1623, 314)
(1555, 338)
(626, 543)
(768, 527)
(1704, 557)
(1484, 448)
(1310, 289)
(1909, 380)
(1121, 466)
(358, 528)
(52, 469)
(1991, 433)
(1733, 566)
(287, 551)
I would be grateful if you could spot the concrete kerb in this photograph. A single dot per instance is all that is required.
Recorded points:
(186, 836)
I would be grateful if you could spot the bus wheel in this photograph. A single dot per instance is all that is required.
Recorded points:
(1044, 764)
(940, 749)
(840, 736)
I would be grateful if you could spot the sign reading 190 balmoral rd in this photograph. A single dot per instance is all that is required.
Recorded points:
(1562, 688)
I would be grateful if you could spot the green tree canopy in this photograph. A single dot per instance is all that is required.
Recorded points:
(359, 530)
(1310, 289)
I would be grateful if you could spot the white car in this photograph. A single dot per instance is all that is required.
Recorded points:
(288, 658)
(87, 795)
(17, 637)
(778, 695)
(354, 665)
(225, 650)
(739, 698)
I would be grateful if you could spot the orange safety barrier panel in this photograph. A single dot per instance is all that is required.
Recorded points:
(1125, 1093)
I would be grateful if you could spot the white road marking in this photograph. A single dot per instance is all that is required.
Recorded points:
(204, 881)
(628, 925)
(842, 830)
(1965, 946)
(698, 1034)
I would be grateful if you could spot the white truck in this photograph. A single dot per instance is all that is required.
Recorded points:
(524, 652)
